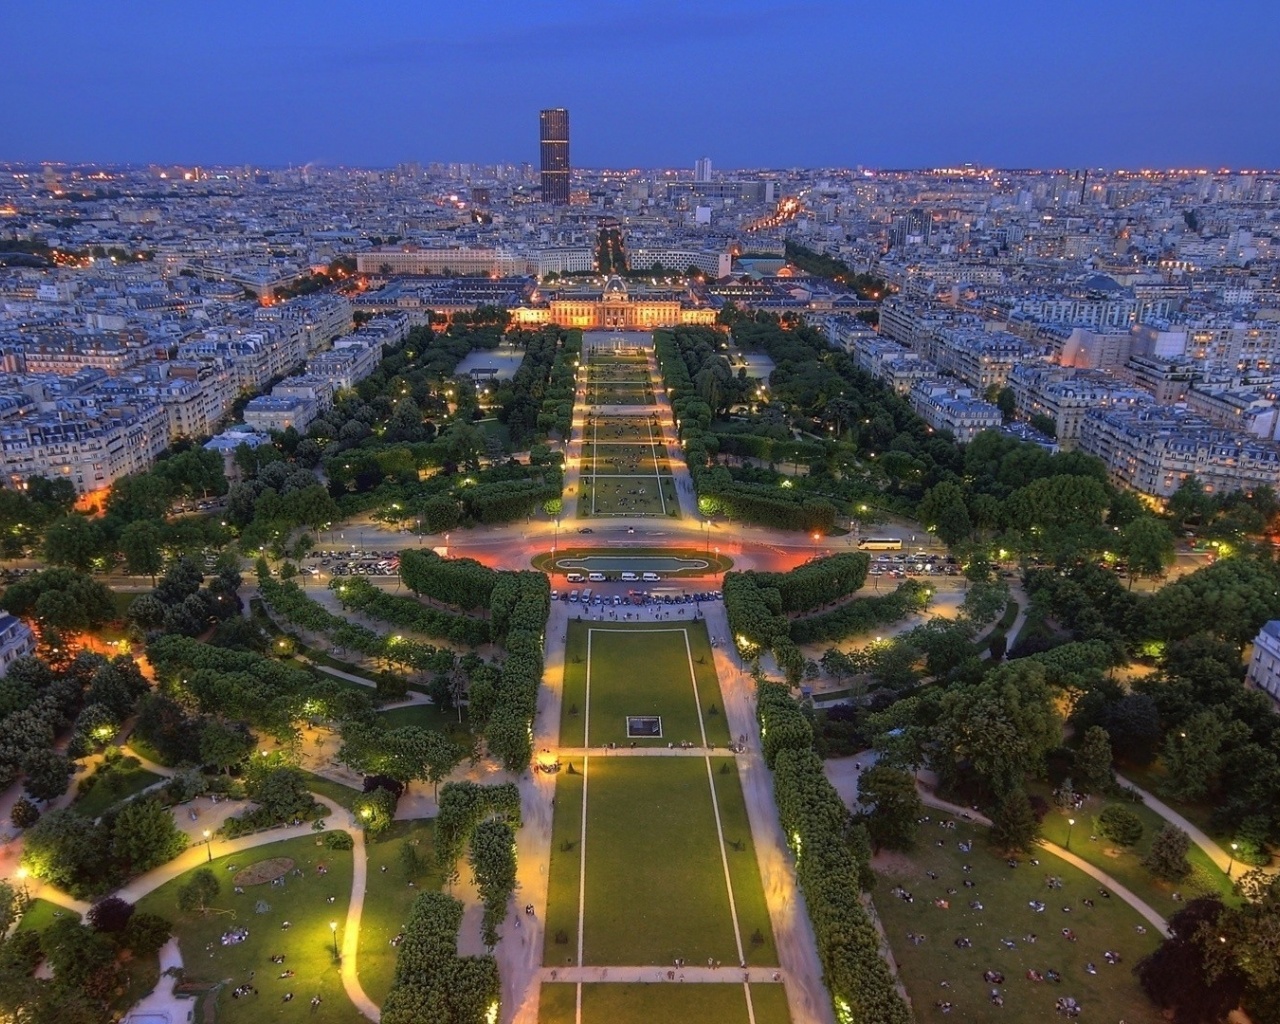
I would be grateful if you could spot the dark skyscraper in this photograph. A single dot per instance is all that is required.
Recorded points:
(553, 133)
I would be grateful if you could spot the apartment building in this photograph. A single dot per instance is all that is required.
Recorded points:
(714, 264)
(946, 405)
(982, 359)
(1264, 663)
(1065, 395)
(92, 446)
(273, 413)
(892, 363)
(1154, 449)
(490, 262)
(16, 641)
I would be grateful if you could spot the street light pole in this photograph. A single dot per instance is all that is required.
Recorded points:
(1071, 822)
(1231, 863)
(208, 845)
(333, 929)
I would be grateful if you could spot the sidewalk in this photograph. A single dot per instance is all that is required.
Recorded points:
(1216, 853)
(844, 776)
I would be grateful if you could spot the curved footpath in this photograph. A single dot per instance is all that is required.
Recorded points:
(194, 856)
(1216, 853)
(844, 777)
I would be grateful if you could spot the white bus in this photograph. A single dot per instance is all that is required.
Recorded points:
(880, 544)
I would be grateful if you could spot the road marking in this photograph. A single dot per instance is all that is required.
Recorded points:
(715, 806)
(582, 839)
(657, 473)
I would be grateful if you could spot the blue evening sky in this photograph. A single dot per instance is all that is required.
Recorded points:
(750, 83)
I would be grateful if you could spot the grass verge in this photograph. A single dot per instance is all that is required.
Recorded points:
(307, 944)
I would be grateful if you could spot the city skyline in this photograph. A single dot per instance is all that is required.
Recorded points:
(401, 85)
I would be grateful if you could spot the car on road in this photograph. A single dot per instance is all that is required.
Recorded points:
(585, 529)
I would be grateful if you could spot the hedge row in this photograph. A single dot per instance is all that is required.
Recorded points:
(433, 983)
(832, 855)
(862, 614)
(520, 604)
(411, 613)
(816, 582)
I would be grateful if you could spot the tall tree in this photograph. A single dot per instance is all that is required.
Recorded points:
(1093, 761)
(1148, 545)
(141, 545)
(1014, 825)
(943, 511)
(1167, 857)
(894, 807)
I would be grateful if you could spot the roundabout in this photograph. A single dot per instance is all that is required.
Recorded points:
(666, 563)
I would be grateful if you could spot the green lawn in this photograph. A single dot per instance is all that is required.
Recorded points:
(649, 1003)
(654, 881)
(641, 670)
(1005, 893)
(622, 459)
(388, 896)
(428, 716)
(694, 555)
(621, 496)
(744, 869)
(41, 913)
(111, 784)
(561, 945)
(307, 944)
(144, 749)
(121, 600)
(1151, 778)
(343, 796)
(1125, 866)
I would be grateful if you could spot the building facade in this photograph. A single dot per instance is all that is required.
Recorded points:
(16, 641)
(616, 306)
(1264, 665)
(553, 138)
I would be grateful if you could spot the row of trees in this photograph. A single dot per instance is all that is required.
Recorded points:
(432, 982)
(832, 855)
(483, 818)
(757, 605)
(529, 402)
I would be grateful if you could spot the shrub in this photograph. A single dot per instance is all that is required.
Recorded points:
(1120, 825)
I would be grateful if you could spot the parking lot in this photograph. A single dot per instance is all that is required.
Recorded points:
(902, 566)
(591, 596)
(352, 563)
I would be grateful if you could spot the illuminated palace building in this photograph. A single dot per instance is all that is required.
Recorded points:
(615, 306)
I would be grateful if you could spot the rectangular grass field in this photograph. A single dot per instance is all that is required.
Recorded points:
(655, 886)
(665, 1002)
(645, 669)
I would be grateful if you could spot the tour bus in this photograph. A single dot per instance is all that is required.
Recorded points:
(596, 577)
(574, 577)
(880, 544)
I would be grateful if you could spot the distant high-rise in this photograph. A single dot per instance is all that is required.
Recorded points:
(702, 169)
(553, 134)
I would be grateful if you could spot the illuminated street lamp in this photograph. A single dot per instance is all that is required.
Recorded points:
(1070, 825)
(208, 845)
(1231, 863)
(333, 930)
